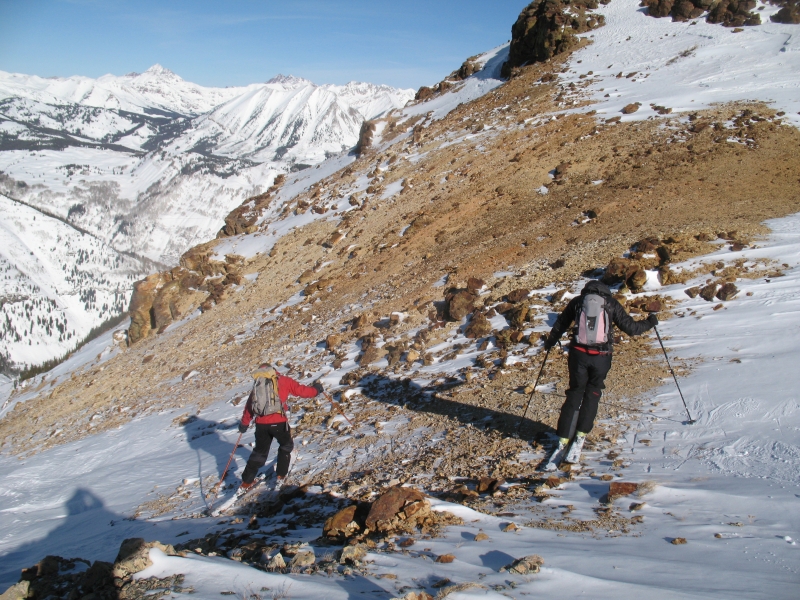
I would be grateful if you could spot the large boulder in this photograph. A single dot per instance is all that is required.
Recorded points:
(478, 326)
(397, 507)
(460, 303)
(134, 556)
(343, 524)
(546, 28)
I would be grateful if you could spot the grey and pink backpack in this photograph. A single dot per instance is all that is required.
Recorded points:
(593, 322)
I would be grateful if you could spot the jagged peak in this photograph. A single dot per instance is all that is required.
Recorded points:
(160, 71)
(290, 81)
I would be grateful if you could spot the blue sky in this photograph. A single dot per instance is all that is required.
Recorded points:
(405, 43)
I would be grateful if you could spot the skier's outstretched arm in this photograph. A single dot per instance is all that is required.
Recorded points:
(627, 323)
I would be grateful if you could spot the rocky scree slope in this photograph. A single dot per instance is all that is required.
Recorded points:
(461, 210)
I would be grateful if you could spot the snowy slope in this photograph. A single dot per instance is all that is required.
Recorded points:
(686, 66)
(119, 172)
(57, 283)
(267, 122)
(728, 484)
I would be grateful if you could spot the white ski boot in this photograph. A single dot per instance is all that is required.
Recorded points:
(574, 454)
(557, 456)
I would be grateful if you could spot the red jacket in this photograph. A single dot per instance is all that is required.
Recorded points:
(286, 387)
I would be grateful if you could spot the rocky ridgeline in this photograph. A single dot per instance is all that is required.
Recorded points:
(729, 13)
(242, 219)
(468, 68)
(545, 28)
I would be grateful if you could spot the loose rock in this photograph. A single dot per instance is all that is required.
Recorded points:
(525, 565)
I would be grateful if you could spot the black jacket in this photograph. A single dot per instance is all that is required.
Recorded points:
(619, 317)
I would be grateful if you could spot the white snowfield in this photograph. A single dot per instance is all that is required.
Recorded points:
(729, 484)
(687, 66)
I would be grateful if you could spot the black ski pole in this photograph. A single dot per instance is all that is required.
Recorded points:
(533, 391)
(691, 421)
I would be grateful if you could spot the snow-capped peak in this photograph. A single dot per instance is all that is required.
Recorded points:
(289, 82)
(157, 69)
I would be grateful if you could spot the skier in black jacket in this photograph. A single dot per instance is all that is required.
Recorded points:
(589, 362)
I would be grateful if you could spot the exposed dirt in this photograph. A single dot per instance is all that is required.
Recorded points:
(474, 207)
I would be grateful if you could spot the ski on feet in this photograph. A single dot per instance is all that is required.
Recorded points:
(240, 494)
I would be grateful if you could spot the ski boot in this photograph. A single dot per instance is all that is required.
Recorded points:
(574, 454)
(557, 456)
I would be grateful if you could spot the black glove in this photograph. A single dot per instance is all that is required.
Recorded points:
(652, 319)
(318, 386)
(242, 427)
(549, 343)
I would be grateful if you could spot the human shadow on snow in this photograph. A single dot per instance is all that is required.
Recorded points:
(205, 437)
(88, 530)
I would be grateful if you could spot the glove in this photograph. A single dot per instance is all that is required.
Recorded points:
(549, 343)
(318, 386)
(652, 319)
(242, 427)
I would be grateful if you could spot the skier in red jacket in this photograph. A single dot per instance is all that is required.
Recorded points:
(273, 426)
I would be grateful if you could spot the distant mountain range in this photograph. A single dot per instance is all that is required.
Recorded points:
(146, 165)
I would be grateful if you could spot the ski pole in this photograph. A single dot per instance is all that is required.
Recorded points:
(691, 420)
(337, 407)
(533, 391)
(215, 489)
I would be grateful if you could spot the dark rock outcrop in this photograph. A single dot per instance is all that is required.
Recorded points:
(460, 303)
(546, 28)
(789, 14)
(162, 298)
(478, 327)
(729, 13)
(365, 137)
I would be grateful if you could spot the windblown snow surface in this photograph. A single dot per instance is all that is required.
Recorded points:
(729, 484)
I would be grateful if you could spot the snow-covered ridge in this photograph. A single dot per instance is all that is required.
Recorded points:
(157, 89)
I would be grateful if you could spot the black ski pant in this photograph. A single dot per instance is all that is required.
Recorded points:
(587, 374)
(264, 436)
